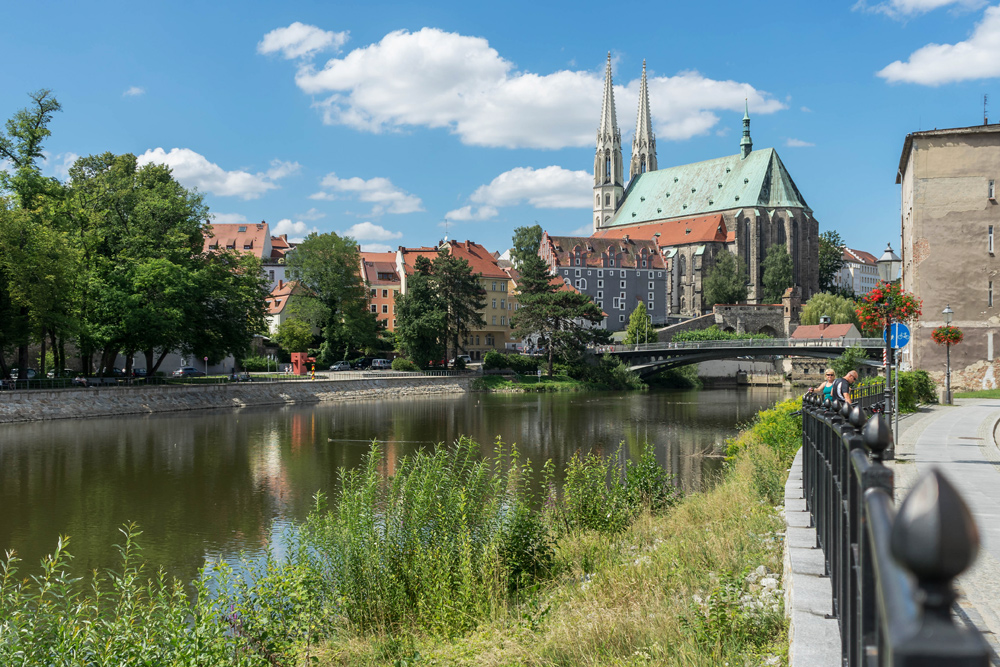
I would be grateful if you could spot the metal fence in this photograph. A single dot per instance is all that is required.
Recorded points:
(891, 572)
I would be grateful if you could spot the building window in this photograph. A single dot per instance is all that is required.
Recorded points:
(578, 261)
(583, 283)
(385, 294)
(611, 274)
(271, 273)
(651, 296)
(385, 309)
(494, 319)
(503, 321)
(989, 241)
(659, 274)
(503, 304)
(600, 304)
(611, 262)
(494, 286)
(494, 306)
(989, 299)
(993, 189)
(622, 284)
(578, 273)
(374, 292)
(503, 287)
(621, 318)
(590, 273)
(651, 286)
(577, 283)
(649, 306)
(374, 308)
(600, 284)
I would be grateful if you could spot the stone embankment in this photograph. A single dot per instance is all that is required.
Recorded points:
(35, 405)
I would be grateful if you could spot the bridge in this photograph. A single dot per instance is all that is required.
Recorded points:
(650, 358)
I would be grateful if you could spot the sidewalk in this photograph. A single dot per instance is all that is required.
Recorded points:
(959, 440)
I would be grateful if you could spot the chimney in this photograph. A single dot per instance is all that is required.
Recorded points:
(281, 283)
(824, 322)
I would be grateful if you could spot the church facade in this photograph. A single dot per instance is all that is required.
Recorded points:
(742, 203)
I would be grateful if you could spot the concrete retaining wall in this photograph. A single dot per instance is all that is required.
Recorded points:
(20, 406)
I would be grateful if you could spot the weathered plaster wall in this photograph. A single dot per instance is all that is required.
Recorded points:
(19, 406)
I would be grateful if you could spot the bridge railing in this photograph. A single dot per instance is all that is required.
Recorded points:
(748, 343)
(891, 572)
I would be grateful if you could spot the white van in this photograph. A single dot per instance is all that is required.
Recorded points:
(381, 365)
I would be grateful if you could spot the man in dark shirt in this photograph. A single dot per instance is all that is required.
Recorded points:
(841, 390)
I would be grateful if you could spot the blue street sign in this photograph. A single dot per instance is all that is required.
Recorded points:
(899, 335)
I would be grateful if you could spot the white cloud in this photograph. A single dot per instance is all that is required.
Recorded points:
(375, 247)
(976, 58)
(467, 213)
(134, 91)
(805, 109)
(436, 79)
(586, 230)
(907, 8)
(301, 41)
(312, 214)
(61, 163)
(193, 170)
(297, 231)
(549, 187)
(386, 197)
(228, 218)
(366, 231)
(798, 143)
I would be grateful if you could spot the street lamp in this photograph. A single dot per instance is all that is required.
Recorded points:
(888, 267)
(948, 314)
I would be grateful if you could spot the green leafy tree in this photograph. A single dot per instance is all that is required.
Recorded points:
(726, 281)
(526, 242)
(294, 335)
(462, 296)
(841, 310)
(851, 360)
(640, 326)
(420, 317)
(831, 259)
(336, 300)
(562, 319)
(777, 273)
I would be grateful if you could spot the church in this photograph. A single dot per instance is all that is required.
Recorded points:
(742, 203)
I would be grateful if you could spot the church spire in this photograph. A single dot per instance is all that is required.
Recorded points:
(644, 142)
(608, 179)
(746, 143)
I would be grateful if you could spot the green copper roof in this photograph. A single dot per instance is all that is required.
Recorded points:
(723, 184)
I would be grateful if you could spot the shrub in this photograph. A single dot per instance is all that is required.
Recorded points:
(850, 360)
(494, 361)
(518, 363)
(778, 428)
(714, 333)
(401, 364)
(255, 364)
(915, 387)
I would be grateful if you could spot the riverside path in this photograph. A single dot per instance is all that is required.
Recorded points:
(959, 440)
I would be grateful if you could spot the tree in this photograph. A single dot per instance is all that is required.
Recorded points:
(420, 317)
(640, 326)
(461, 295)
(840, 310)
(560, 317)
(294, 335)
(777, 273)
(336, 298)
(831, 259)
(526, 242)
(726, 281)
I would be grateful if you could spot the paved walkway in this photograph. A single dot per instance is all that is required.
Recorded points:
(960, 440)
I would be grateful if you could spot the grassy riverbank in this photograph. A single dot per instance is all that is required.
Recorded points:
(454, 561)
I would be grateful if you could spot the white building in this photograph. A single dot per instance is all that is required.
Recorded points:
(859, 273)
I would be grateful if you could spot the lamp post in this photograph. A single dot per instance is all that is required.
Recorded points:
(948, 314)
(888, 266)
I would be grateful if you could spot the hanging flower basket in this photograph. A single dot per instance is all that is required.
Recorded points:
(886, 299)
(947, 334)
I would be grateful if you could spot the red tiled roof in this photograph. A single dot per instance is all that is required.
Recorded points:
(478, 257)
(829, 331)
(278, 298)
(561, 251)
(858, 256)
(251, 238)
(280, 245)
(703, 229)
(376, 264)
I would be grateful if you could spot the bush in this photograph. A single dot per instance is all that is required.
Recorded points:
(850, 360)
(401, 364)
(915, 387)
(714, 333)
(494, 361)
(255, 364)
(778, 429)
(518, 363)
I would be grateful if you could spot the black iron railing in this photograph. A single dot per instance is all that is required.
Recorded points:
(891, 573)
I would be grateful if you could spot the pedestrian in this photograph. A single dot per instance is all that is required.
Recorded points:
(841, 389)
(827, 385)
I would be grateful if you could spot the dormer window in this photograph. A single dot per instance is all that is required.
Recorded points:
(242, 229)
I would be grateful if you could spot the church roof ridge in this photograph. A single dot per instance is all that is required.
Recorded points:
(700, 188)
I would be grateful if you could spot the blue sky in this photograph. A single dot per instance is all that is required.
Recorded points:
(398, 123)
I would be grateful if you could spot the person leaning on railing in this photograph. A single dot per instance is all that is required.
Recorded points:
(827, 385)
(841, 389)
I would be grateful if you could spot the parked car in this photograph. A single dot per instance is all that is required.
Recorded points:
(138, 372)
(111, 372)
(362, 364)
(64, 373)
(381, 365)
(341, 366)
(31, 374)
(188, 372)
(240, 377)
(464, 358)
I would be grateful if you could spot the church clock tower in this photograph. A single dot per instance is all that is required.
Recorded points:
(608, 181)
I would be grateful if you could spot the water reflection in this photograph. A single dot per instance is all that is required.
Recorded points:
(217, 482)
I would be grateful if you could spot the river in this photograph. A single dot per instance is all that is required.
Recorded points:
(214, 483)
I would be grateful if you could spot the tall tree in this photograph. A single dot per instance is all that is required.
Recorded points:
(640, 326)
(726, 281)
(336, 299)
(777, 273)
(462, 295)
(563, 319)
(420, 316)
(28, 231)
(831, 259)
(294, 335)
(526, 242)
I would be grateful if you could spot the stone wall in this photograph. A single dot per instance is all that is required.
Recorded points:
(20, 406)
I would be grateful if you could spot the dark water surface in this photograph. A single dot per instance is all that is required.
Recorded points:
(207, 484)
